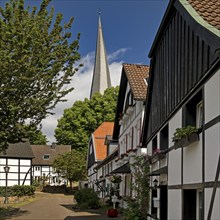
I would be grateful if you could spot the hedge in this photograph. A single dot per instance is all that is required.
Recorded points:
(17, 190)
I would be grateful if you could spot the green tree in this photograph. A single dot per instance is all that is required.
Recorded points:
(71, 165)
(36, 64)
(79, 121)
(34, 135)
(138, 203)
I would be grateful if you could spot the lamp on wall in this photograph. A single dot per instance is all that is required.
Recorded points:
(6, 169)
(155, 182)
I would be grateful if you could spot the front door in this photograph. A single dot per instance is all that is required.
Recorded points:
(189, 204)
(163, 202)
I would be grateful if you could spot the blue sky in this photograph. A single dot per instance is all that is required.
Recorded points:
(130, 24)
(129, 28)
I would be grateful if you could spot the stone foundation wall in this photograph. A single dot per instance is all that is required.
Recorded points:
(15, 199)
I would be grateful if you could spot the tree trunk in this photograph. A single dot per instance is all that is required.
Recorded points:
(71, 184)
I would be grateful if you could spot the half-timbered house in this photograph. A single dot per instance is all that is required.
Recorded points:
(42, 169)
(18, 157)
(184, 90)
(125, 142)
(97, 152)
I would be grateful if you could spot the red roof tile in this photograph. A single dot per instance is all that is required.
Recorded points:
(209, 10)
(136, 75)
(106, 128)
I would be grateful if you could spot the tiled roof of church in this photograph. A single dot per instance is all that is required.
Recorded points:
(106, 128)
(209, 10)
(137, 75)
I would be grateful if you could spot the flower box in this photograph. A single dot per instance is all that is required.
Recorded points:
(187, 140)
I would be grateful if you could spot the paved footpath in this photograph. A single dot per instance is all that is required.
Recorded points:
(54, 207)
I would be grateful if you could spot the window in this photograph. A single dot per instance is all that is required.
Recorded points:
(189, 204)
(129, 100)
(132, 137)
(199, 114)
(154, 144)
(164, 138)
(46, 156)
(90, 149)
(37, 168)
(193, 111)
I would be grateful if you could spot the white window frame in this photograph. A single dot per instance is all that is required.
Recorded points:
(199, 114)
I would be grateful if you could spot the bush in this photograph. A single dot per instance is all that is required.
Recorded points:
(18, 191)
(87, 198)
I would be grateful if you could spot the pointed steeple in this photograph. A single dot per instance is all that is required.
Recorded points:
(101, 75)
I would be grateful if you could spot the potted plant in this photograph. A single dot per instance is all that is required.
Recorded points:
(184, 136)
(112, 213)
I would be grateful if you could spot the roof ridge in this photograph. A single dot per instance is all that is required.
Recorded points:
(198, 17)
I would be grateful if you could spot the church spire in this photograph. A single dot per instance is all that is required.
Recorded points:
(101, 75)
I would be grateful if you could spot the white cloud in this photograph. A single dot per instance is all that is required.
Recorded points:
(81, 83)
(116, 54)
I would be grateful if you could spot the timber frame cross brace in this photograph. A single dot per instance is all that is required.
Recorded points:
(214, 190)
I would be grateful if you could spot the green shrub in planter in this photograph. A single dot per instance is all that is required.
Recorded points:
(87, 198)
(183, 132)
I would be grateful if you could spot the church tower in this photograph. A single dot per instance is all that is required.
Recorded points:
(101, 75)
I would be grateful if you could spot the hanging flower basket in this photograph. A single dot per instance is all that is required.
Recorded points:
(115, 179)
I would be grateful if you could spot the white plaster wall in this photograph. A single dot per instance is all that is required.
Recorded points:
(174, 160)
(12, 162)
(24, 169)
(174, 167)
(13, 169)
(192, 162)
(212, 151)
(212, 97)
(174, 204)
(13, 175)
(216, 209)
(25, 162)
(175, 122)
(45, 169)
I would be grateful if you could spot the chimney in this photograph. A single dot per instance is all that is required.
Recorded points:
(53, 146)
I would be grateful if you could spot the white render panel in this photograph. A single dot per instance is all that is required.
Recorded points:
(175, 122)
(174, 204)
(12, 162)
(13, 169)
(2, 175)
(24, 169)
(25, 162)
(22, 176)
(174, 167)
(45, 169)
(216, 209)
(12, 182)
(212, 151)
(212, 97)
(27, 183)
(13, 176)
(192, 162)
(174, 162)
(2, 161)
(2, 182)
